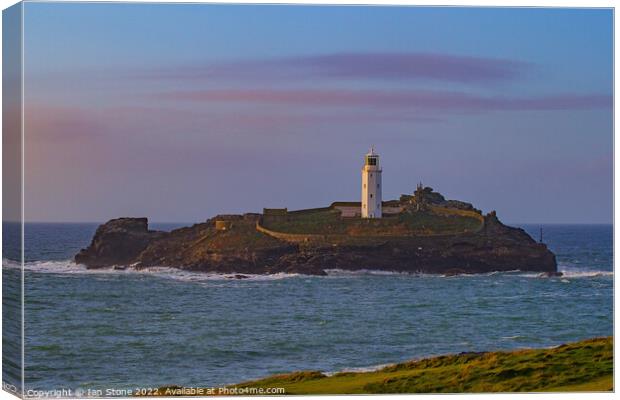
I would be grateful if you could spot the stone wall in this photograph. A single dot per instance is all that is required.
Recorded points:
(392, 210)
(275, 211)
(347, 211)
(292, 237)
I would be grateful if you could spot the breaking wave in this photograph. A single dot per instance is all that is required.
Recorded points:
(69, 267)
(574, 272)
(345, 272)
(372, 368)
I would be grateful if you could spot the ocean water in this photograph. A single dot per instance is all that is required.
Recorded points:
(131, 329)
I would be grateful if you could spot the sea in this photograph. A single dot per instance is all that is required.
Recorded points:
(106, 330)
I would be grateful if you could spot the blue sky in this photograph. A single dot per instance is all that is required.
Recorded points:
(179, 112)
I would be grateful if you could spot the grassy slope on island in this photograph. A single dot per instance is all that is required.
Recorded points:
(582, 366)
(434, 221)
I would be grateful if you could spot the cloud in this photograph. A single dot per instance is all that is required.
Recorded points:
(384, 99)
(56, 123)
(369, 65)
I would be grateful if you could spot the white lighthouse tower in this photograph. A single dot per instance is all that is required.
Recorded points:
(371, 186)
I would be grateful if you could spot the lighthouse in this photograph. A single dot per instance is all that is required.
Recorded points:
(371, 186)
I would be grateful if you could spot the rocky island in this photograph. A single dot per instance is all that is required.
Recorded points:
(418, 233)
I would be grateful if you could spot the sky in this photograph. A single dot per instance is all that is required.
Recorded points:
(180, 112)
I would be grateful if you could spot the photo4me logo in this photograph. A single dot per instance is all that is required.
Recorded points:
(217, 391)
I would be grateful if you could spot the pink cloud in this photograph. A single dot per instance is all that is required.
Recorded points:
(383, 99)
(44, 122)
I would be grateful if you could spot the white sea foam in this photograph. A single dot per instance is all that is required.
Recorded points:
(344, 272)
(360, 369)
(6, 263)
(572, 272)
(70, 267)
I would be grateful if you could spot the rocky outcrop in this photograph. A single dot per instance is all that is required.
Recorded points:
(241, 249)
(495, 248)
(431, 235)
(425, 195)
(118, 242)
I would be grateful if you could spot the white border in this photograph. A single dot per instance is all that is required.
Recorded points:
(476, 3)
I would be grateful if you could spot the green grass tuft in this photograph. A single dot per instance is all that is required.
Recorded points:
(580, 366)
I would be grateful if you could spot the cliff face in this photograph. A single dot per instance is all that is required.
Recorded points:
(234, 244)
(495, 248)
(118, 242)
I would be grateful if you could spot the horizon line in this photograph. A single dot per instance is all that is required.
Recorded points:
(204, 221)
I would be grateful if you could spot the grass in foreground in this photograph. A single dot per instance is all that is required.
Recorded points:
(582, 366)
